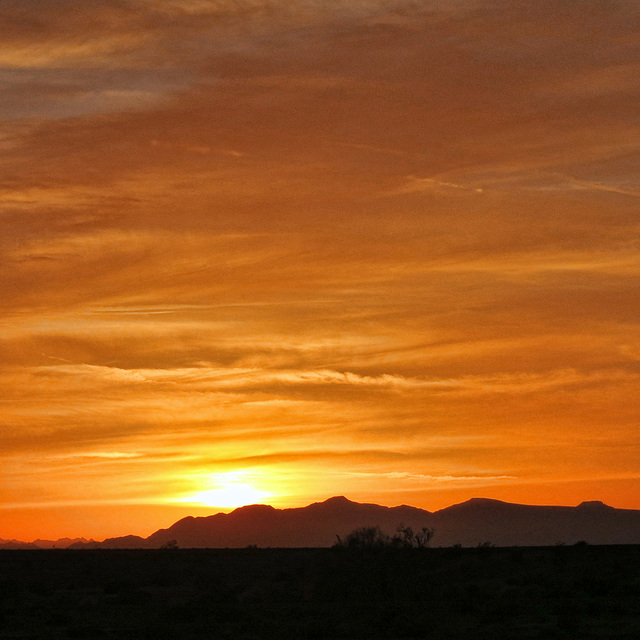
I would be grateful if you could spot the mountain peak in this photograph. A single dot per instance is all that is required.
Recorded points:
(593, 505)
(336, 504)
(336, 500)
(255, 509)
(475, 503)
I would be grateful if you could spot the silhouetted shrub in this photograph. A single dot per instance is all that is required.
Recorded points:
(170, 545)
(407, 537)
(373, 537)
(365, 538)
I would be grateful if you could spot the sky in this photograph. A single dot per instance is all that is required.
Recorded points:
(273, 251)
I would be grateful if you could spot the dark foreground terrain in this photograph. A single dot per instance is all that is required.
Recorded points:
(550, 592)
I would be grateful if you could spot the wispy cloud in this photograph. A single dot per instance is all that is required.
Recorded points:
(433, 479)
(417, 185)
(199, 379)
(109, 455)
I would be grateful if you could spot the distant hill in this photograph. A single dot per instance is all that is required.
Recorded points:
(61, 543)
(470, 523)
(123, 542)
(17, 544)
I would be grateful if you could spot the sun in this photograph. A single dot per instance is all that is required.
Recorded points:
(229, 497)
(229, 491)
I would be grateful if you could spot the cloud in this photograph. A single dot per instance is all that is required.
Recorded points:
(599, 186)
(429, 479)
(108, 455)
(417, 185)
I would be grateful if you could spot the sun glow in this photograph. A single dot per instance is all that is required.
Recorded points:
(229, 491)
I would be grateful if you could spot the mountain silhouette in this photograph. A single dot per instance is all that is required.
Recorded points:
(470, 523)
(17, 544)
(60, 543)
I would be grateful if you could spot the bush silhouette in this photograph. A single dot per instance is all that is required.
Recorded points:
(372, 537)
(170, 544)
(365, 538)
(407, 537)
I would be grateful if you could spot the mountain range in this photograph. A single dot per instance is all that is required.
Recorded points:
(60, 543)
(477, 521)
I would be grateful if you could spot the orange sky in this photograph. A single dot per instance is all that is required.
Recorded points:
(288, 250)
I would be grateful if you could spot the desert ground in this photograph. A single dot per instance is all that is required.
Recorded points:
(577, 591)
